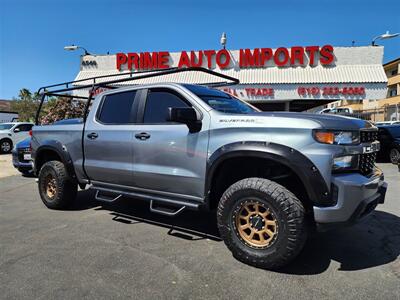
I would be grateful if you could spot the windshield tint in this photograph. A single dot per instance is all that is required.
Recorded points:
(5, 126)
(221, 101)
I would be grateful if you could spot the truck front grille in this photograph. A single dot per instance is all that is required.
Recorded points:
(366, 163)
(367, 136)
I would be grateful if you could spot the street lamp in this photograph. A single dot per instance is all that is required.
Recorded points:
(74, 47)
(223, 39)
(384, 36)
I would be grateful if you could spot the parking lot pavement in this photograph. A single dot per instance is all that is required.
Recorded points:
(120, 250)
(6, 167)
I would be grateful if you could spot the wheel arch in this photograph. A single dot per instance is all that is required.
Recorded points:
(53, 150)
(316, 189)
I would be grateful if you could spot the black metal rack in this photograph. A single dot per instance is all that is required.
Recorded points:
(56, 90)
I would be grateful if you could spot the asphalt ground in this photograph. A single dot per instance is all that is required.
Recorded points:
(121, 250)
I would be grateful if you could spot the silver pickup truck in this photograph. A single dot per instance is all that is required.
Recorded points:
(271, 176)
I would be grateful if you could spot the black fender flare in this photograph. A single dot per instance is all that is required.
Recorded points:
(315, 185)
(60, 150)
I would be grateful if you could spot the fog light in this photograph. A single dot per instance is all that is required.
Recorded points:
(348, 162)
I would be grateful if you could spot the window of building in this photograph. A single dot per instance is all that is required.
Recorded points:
(157, 104)
(394, 72)
(393, 92)
(117, 108)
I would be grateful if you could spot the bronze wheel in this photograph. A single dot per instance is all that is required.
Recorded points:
(256, 224)
(51, 186)
(57, 189)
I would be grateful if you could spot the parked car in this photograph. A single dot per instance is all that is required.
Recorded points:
(389, 137)
(269, 175)
(337, 110)
(21, 155)
(12, 133)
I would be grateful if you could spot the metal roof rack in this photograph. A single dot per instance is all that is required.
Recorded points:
(57, 90)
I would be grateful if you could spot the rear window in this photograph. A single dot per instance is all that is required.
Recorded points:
(117, 108)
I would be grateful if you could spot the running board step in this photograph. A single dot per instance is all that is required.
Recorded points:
(106, 198)
(165, 210)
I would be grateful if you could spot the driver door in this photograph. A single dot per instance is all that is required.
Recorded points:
(168, 159)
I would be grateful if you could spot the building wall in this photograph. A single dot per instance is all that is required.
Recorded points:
(385, 109)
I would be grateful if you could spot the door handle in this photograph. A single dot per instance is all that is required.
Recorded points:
(92, 135)
(142, 136)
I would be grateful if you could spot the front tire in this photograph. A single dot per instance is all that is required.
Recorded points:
(262, 223)
(57, 190)
(394, 156)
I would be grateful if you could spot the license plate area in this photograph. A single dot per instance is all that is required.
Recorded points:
(27, 156)
(373, 147)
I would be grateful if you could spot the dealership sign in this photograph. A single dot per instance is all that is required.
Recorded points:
(248, 58)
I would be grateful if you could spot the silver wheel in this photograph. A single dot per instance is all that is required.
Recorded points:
(394, 156)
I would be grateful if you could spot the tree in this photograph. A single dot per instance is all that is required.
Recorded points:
(26, 105)
(61, 108)
(54, 109)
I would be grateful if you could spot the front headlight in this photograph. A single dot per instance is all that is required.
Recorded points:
(337, 137)
(343, 163)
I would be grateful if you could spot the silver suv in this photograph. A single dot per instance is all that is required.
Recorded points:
(270, 175)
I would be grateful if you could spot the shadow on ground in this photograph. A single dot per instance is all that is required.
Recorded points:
(373, 242)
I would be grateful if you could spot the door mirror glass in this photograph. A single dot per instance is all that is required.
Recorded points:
(185, 115)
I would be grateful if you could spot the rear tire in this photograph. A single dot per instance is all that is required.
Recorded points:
(57, 190)
(273, 220)
(6, 146)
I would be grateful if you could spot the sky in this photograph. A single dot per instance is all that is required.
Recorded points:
(34, 32)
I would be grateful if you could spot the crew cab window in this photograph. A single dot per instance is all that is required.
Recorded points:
(117, 108)
(157, 104)
(24, 127)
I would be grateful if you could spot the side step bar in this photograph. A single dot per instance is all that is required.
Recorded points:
(165, 210)
(105, 198)
(158, 204)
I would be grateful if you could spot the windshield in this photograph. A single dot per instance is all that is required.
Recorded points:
(6, 126)
(221, 101)
(394, 131)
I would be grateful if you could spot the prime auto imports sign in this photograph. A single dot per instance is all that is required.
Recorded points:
(248, 58)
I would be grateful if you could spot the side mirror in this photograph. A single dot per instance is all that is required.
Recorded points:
(17, 130)
(185, 115)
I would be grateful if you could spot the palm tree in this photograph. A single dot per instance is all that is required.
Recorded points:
(25, 94)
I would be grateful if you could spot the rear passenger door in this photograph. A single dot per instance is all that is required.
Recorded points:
(108, 139)
(168, 159)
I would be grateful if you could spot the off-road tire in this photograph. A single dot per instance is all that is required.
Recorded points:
(1, 146)
(65, 188)
(289, 214)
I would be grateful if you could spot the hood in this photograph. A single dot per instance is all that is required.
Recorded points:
(325, 120)
(25, 143)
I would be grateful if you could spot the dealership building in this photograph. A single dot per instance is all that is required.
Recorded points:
(295, 79)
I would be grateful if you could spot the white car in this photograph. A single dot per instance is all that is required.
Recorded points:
(337, 110)
(12, 133)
